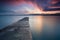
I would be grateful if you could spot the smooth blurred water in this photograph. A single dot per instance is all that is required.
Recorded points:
(45, 27)
(42, 27)
(7, 20)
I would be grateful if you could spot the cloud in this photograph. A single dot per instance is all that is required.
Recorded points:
(45, 5)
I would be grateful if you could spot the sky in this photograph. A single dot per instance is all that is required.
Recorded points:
(29, 6)
(12, 7)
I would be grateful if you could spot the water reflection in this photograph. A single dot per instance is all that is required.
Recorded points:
(35, 23)
(45, 27)
(36, 26)
(42, 27)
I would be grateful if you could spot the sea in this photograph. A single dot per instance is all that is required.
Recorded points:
(42, 27)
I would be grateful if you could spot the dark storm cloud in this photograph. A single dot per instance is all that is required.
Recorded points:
(54, 5)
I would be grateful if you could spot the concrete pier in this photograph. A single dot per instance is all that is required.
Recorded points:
(17, 31)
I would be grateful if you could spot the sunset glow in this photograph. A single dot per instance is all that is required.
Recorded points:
(36, 23)
(31, 6)
(34, 9)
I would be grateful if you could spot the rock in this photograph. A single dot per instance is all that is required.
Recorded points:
(17, 31)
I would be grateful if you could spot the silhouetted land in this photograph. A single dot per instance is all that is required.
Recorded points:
(57, 14)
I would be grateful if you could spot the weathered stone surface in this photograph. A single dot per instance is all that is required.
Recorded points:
(17, 31)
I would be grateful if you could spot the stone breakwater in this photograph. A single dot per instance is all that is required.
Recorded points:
(19, 30)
